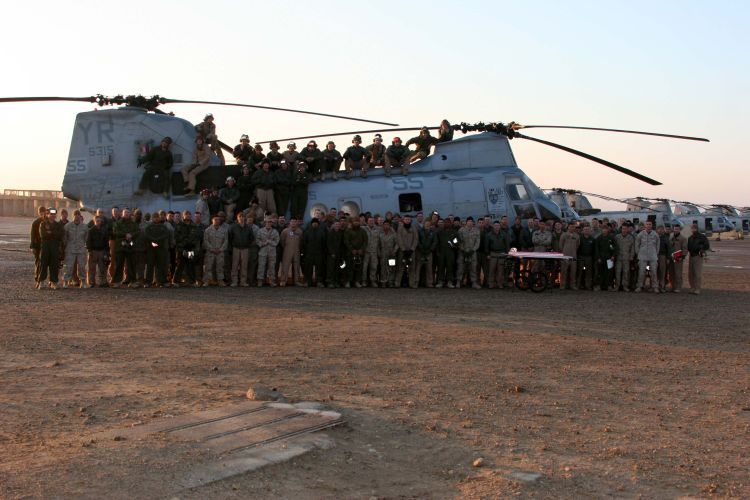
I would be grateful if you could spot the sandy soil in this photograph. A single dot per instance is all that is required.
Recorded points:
(603, 394)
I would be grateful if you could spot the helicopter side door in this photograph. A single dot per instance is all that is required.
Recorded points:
(469, 198)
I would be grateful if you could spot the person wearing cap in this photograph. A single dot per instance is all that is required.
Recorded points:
(397, 155)
(243, 152)
(200, 161)
(264, 181)
(332, 160)
(313, 249)
(215, 243)
(74, 238)
(268, 240)
(376, 152)
(291, 155)
(314, 159)
(257, 157)
(283, 178)
(229, 196)
(207, 129)
(159, 162)
(51, 235)
(355, 156)
(274, 157)
(300, 185)
(468, 244)
(424, 141)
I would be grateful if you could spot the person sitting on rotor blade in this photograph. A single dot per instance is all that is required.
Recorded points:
(158, 161)
(397, 155)
(424, 141)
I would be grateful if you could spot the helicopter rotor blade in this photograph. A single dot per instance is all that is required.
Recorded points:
(671, 136)
(355, 132)
(606, 163)
(165, 100)
(43, 99)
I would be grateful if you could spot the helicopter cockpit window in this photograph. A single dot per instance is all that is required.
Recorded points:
(526, 210)
(409, 202)
(546, 214)
(517, 192)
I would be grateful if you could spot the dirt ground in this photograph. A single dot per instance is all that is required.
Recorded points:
(603, 394)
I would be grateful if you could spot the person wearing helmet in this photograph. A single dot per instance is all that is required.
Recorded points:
(291, 155)
(397, 155)
(242, 151)
(200, 162)
(314, 159)
(257, 156)
(424, 141)
(274, 157)
(332, 160)
(207, 128)
(356, 157)
(158, 163)
(229, 196)
(376, 152)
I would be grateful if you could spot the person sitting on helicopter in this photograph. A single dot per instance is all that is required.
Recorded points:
(207, 128)
(397, 155)
(229, 196)
(356, 157)
(332, 159)
(445, 133)
(424, 141)
(200, 162)
(158, 162)
(243, 151)
(376, 152)
(257, 157)
(274, 157)
(314, 158)
(291, 155)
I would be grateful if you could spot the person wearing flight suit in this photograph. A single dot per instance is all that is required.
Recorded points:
(697, 245)
(678, 243)
(125, 232)
(586, 259)
(36, 241)
(291, 243)
(397, 155)
(274, 157)
(625, 254)
(243, 152)
(188, 239)
(300, 184)
(75, 248)
(51, 234)
(355, 244)
(332, 162)
(282, 187)
(157, 237)
(605, 252)
(268, 240)
(370, 260)
(569, 243)
(424, 141)
(407, 236)
(497, 245)
(313, 157)
(200, 162)
(215, 243)
(264, 181)
(241, 238)
(447, 245)
(313, 249)
(376, 152)
(468, 243)
(355, 156)
(334, 250)
(647, 249)
(665, 250)
(97, 245)
(425, 249)
(158, 162)
(388, 251)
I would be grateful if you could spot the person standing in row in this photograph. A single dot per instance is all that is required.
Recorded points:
(76, 233)
(51, 241)
(697, 247)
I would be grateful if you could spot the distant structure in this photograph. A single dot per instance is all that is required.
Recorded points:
(24, 203)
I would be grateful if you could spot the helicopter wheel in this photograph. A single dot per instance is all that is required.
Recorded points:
(538, 282)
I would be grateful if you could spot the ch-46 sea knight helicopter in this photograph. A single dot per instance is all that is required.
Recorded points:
(472, 175)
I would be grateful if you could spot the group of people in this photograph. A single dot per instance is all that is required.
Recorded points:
(277, 179)
(337, 250)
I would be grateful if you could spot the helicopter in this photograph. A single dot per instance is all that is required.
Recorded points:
(474, 175)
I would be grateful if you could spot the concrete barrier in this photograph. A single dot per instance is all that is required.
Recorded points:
(25, 203)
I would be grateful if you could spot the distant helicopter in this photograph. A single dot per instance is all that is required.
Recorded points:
(473, 175)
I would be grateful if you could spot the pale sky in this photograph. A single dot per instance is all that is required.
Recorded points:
(677, 67)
